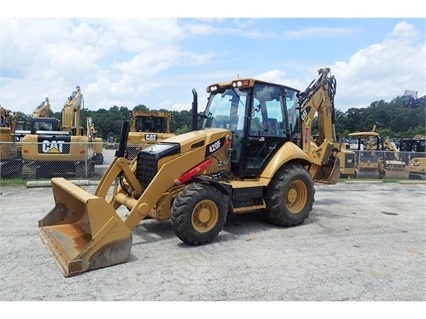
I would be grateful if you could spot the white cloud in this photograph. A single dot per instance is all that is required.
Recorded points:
(322, 32)
(115, 61)
(382, 70)
(126, 62)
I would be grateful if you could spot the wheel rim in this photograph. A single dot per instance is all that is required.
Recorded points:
(205, 216)
(296, 197)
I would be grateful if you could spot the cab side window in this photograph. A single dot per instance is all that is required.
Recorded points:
(267, 118)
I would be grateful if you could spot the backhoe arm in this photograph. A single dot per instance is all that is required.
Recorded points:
(318, 99)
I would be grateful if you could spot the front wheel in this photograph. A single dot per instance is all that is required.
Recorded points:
(290, 196)
(198, 214)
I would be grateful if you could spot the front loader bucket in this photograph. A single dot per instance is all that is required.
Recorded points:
(83, 232)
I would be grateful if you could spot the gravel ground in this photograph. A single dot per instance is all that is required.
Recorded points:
(362, 242)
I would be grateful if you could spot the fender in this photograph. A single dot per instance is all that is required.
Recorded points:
(289, 152)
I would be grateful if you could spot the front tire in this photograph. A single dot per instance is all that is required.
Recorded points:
(290, 196)
(198, 214)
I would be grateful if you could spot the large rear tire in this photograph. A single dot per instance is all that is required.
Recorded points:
(290, 196)
(198, 214)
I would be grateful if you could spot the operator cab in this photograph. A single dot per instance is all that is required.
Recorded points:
(151, 124)
(261, 116)
(43, 125)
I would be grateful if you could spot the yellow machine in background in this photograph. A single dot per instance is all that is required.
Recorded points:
(347, 159)
(417, 168)
(414, 154)
(251, 151)
(10, 162)
(96, 142)
(57, 148)
(39, 119)
(23, 127)
(111, 143)
(147, 128)
(378, 157)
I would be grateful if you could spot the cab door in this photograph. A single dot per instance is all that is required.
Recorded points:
(267, 126)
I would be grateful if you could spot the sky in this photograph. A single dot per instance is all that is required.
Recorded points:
(120, 59)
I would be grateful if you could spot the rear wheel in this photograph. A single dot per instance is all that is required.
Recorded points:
(198, 214)
(290, 196)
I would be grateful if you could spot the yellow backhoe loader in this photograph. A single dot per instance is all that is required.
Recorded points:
(250, 150)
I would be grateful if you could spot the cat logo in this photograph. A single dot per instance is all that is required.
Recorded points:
(53, 144)
(52, 147)
(150, 137)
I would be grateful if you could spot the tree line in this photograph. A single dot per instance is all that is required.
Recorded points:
(393, 119)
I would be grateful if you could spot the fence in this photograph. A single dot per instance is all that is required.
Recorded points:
(90, 160)
(375, 164)
(47, 159)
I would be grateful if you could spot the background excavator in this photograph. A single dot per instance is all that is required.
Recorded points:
(57, 148)
(43, 110)
(41, 119)
(10, 162)
(40, 116)
(147, 128)
(250, 150)
(378, 157)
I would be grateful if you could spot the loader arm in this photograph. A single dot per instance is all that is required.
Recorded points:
(163, 183)
(119, 169)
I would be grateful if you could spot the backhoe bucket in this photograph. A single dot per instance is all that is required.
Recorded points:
(83, 232)
(329, 173)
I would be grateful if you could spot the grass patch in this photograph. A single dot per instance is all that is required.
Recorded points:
(12, 182)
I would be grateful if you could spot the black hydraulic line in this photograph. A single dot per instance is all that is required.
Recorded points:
(125, 127)
(332, 84)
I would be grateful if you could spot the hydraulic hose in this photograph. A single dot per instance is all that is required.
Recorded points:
(124, 134)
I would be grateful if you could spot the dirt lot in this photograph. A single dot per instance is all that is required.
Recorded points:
(362, 242)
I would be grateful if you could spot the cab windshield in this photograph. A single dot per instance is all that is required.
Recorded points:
(150, 124)
(225, 109)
